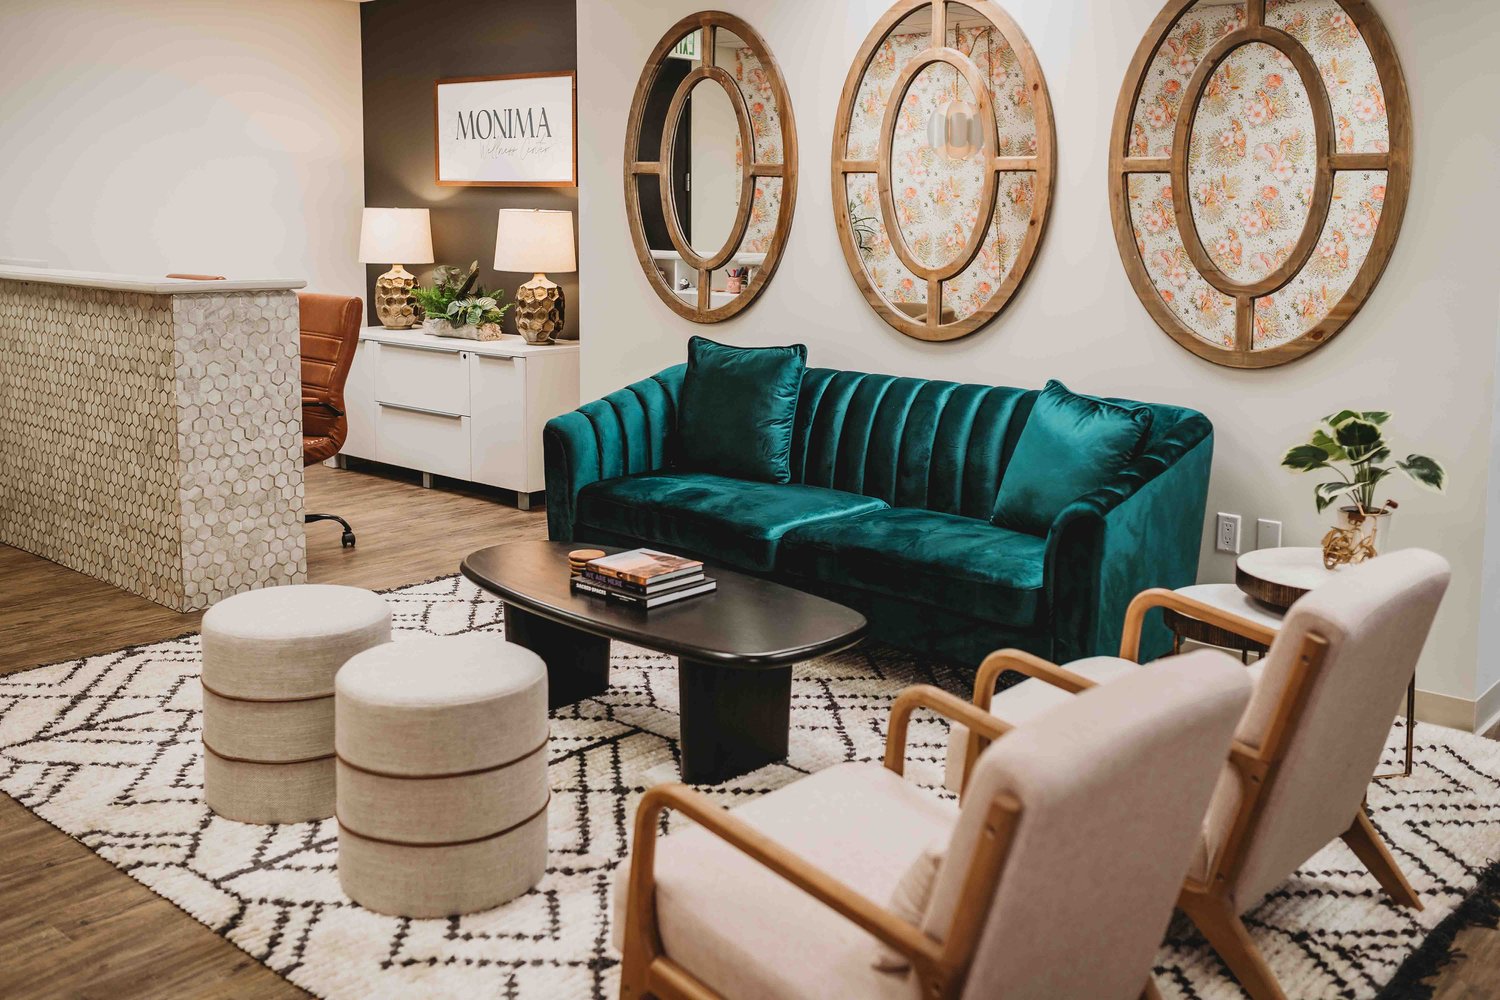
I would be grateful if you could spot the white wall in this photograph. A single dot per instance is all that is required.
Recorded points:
(1424, 346)
(215, 136)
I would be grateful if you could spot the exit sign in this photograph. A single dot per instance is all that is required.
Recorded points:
(687, 48)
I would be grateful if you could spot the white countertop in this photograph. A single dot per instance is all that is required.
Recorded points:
(151, 284)
(508, 346)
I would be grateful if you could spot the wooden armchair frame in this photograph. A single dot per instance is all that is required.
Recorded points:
(1211, 903)
(940, 967)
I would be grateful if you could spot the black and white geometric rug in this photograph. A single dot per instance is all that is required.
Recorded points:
(106, 749)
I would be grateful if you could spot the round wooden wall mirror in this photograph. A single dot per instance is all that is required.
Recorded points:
(1260, 163)
(943, 161)
(710, 166)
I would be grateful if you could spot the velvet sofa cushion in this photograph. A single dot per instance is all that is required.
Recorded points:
(733, 521)
(949, 561)
(1071, 445)
(738, 408)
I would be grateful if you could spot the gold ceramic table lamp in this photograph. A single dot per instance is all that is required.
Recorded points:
(536, 240)
(395, 234)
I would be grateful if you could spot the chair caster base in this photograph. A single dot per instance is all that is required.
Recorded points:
(348, 537)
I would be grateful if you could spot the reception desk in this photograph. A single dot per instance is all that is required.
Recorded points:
(151, 430)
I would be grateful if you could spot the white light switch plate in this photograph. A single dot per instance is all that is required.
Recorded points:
(1267, 534)
(1227, 533)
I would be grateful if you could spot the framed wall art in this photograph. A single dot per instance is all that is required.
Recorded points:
(519, 130)
(943, 160)
(1259, 171)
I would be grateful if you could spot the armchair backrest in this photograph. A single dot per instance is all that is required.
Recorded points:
(330, 334)
(1112, 787)
(1374, 619)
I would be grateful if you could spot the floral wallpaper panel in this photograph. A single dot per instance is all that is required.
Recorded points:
(1343, 246)
(1348, 70)
(1324, 29)
(937, 199)
(1160, 101)
(1202, 308)
(765, 126)
(891, 278)
(1252, 161)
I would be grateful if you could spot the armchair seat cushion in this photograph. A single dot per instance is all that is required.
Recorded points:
(958, 563)
(723, 915)
(734, 521)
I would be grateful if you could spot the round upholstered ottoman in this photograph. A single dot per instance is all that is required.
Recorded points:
(269, 658)
(442, 774)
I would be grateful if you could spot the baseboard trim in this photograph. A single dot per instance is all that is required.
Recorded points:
(1477, 716)
(1446, 710)
(1487, 710)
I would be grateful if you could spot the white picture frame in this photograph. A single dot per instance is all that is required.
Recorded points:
(519, 130)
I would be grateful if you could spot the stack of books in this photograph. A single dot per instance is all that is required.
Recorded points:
(643, 578)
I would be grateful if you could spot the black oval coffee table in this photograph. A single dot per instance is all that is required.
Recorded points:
(735, 648)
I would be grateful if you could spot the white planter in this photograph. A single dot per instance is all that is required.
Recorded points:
(443, 328)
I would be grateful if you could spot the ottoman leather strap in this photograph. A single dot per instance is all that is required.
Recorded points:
(264, 701)
(268, 763)
(447, 843)
(447, 774)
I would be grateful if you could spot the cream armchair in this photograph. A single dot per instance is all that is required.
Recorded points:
(1304, 753)
(1055, 878)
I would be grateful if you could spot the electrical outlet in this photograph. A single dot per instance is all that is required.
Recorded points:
(1267, 534)
(1227, 533)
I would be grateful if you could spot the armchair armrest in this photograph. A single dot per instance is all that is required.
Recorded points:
(950, 706)
(325, 404)
(984, 693)
(628, 431)
(642, 942)
(1135, 618)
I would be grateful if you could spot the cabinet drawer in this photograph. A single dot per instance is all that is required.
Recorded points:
(424, 378)
(423, 440)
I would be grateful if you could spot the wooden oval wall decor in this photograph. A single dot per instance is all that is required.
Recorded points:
(943, 161)
(1259, 169)
(710, 244)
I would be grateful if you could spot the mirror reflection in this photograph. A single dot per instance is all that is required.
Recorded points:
(708, 164)
(709, 201)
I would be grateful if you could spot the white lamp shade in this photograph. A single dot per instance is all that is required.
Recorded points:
(535, 240)
(395, 236)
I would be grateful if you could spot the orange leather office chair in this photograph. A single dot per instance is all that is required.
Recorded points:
(330, 333)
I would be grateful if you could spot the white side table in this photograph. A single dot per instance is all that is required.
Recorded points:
(1274, 579)
(1226, 597)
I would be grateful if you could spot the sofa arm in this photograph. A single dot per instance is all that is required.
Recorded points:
(1142, 530)
(629, 431)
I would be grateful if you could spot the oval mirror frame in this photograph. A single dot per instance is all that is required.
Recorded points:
(1042, 165)
(702, 309)
(1126, 163)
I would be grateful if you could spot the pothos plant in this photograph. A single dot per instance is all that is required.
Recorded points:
(1351, 444)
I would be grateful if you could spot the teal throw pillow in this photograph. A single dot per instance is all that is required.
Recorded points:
(738, 407)
(1071, 445)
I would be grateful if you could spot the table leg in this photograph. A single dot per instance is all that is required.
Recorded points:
(734, 719)
(577, 661)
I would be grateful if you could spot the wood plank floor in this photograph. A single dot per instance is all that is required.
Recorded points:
(71, 925)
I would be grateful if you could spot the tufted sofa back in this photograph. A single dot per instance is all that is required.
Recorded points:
(908, 441)
(911, 442)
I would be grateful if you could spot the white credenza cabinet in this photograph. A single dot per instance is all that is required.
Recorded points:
(464, 409)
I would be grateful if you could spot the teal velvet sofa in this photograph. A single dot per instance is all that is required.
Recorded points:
(893, 483)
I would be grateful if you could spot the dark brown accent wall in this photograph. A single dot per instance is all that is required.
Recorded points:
(407, 45)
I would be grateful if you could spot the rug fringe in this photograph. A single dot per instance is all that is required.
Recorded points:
(1480, 909)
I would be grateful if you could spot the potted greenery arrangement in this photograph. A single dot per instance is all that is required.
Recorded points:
(456, 305)
(1351, 444)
